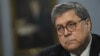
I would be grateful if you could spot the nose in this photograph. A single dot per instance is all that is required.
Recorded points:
(67, 33)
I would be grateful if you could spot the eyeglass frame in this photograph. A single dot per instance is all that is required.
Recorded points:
(68, 27)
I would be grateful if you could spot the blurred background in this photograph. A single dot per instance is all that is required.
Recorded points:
(26, 27)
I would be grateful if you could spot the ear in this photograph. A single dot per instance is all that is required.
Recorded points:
(88, 23)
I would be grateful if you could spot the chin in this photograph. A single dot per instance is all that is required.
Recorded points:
(71, 47)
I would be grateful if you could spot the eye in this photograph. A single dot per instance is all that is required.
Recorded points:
(60, 28)
(71, 25)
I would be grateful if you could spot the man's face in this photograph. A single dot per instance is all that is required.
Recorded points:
(72, 37)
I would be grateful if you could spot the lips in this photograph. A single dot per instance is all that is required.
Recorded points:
(69, 42)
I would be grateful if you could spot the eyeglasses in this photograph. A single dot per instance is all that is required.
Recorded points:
(70, 26)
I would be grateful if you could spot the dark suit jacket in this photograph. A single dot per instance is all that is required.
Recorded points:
(58, 50)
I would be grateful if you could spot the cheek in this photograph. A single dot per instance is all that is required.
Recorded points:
(61, 39)
(81, 34)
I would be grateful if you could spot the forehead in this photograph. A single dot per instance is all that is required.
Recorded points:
(66, 17)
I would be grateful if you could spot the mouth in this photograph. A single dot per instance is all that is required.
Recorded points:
(69, 42)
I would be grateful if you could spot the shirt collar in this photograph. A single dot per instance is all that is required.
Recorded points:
(86, 52)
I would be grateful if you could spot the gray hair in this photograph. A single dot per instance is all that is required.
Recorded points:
(59, 9)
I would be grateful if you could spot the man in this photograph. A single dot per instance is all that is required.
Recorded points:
(73, 27)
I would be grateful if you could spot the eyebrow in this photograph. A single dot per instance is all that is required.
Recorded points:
(66, 23)
(58, 25)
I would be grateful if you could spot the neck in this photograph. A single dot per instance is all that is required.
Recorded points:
(79, 50)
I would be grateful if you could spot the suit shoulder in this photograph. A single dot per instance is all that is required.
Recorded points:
(96, 37)
(50, 51)
(96, 41)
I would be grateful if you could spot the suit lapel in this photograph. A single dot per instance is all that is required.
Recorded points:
(63, 52)
(95, 46)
